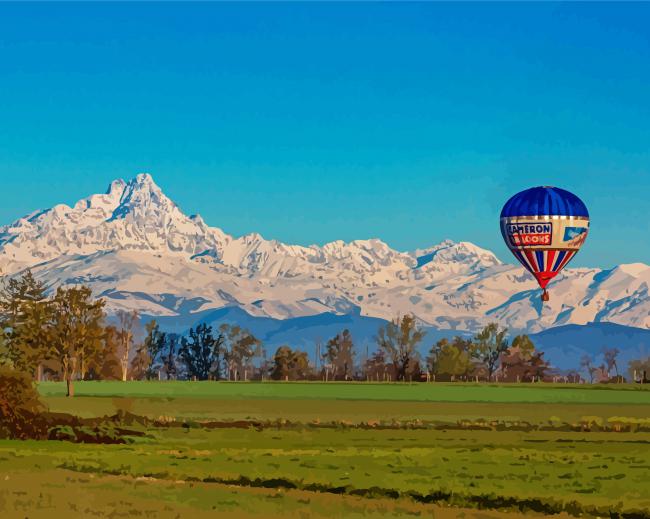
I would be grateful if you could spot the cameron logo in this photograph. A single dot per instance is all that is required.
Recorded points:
(529, 233)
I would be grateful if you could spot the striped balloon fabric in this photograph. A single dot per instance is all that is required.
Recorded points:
(544, 227)
(543, 264)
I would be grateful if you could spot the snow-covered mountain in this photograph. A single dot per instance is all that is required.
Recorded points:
(136, 248)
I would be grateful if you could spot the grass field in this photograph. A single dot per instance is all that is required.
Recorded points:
(39, 494)
(304, 469)
(452, 392)
(355, 403)
(584, 473)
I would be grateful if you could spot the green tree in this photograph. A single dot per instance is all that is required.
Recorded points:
(523, 343)
(5, 352)
(339, 353)
(399, 339)
(490, 344)
(24, 317)
(154, 342)
(108, 365)
(452, 359)
(169, 357)
(289, 364)
(199, 352)
(77, 331)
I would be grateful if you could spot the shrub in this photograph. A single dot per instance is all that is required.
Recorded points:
(62, 432)
(98, 434)
(20, 406)
(86, 434)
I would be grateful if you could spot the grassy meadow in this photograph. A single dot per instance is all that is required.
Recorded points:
(340, 450)
(432, 392)
(42, 494)
(307, 402)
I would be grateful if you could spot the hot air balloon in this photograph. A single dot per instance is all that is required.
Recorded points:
(544, 227)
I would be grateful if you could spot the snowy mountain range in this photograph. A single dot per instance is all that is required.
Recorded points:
(136, 248)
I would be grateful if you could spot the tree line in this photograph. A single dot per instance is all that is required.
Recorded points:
(67, 336)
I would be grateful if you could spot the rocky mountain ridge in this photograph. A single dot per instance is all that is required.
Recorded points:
(134, 246)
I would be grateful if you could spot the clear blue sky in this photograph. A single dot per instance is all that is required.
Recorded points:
(314, 122)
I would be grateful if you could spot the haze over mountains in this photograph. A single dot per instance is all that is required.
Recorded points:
(136, 248)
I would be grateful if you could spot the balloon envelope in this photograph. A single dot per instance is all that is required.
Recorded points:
(544, 227)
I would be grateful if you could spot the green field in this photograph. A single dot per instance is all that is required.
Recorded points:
(584, 473)
(39, 494)
(354, 403)
(451, 392)
(339, 450)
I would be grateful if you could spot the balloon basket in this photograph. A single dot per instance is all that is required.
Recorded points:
(545, 296)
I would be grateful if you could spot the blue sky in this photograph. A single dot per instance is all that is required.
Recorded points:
(314, 122)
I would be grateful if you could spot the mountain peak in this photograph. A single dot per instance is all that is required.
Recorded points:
(463, 253)
(130, 215)
(144, 182)
(116, 185)
(633, 269)
(143, 179)
(143, 198)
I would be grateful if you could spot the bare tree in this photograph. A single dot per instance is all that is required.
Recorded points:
(587, 364)
(240, 349)
(610, 355)
(339, 354)
(639, 369)
(128, 324)
(375, 367)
